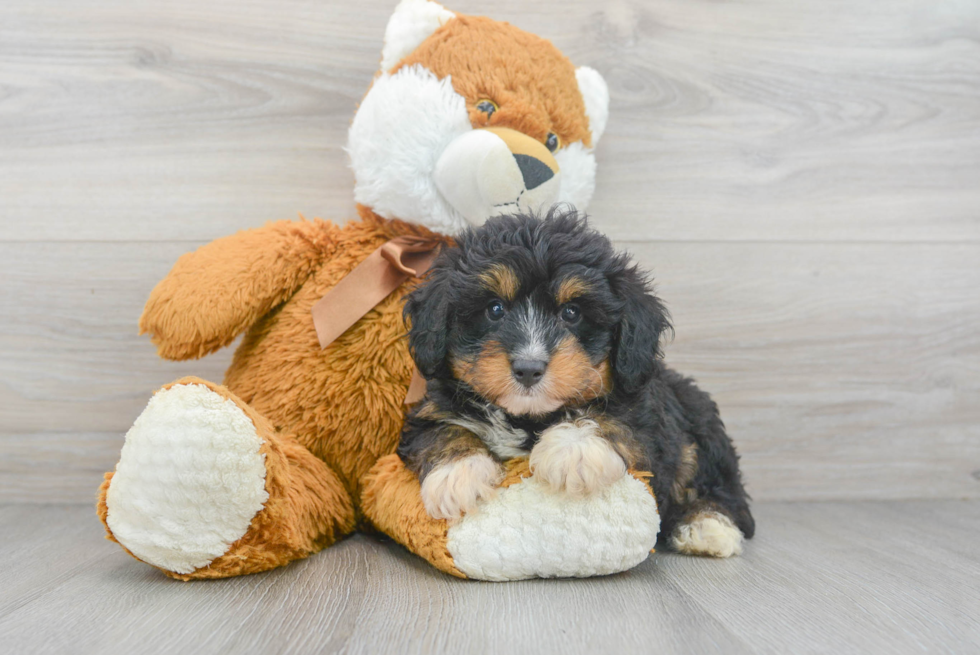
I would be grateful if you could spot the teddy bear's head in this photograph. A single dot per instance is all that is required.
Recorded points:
(470, 118)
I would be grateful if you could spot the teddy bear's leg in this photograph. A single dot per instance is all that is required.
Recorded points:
(206, 488)
(525, 530)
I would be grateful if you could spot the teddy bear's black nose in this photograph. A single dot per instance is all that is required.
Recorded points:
(529, 371)
(534, 171)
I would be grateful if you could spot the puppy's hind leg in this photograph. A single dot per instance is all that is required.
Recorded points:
(711, 516)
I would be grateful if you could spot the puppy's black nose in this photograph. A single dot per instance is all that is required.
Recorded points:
(528, 371)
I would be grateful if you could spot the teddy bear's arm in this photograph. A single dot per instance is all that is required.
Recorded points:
(214, 293)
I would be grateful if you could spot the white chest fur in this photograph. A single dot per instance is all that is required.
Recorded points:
(503, 440)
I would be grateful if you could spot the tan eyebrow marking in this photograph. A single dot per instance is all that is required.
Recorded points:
(501, 280)
(571, 288)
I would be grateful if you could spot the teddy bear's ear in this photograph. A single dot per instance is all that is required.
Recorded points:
(595, 93)
(410, 25)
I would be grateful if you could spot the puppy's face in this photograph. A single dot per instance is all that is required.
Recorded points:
(533, 341)
(535, 314)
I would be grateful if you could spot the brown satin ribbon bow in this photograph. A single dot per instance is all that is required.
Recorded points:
(368, 284)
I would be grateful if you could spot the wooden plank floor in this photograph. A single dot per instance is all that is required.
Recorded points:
(802, 178)
(859, 577)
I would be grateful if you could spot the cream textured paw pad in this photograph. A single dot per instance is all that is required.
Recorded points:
(189, 480)
(528, 531)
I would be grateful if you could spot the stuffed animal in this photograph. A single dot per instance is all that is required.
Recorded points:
(466, 119)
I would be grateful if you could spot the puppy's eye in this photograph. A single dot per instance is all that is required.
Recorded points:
(496, 310)
(487, 107)
(571, 314)
(552, 142)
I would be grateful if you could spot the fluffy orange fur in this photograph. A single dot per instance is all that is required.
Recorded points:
(392, 499)
(533, 100)
(326, 416)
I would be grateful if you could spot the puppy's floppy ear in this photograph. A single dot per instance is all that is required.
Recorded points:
(637, 347)
(427, 310)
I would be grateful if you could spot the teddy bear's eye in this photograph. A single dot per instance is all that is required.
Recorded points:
(552, 142)
(487, 107)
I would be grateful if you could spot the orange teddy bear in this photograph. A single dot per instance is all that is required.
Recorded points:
(467, 118)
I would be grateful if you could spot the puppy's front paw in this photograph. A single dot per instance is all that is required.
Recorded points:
(450, 490)
(574, 457)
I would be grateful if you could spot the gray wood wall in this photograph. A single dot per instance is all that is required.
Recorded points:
(803, 178)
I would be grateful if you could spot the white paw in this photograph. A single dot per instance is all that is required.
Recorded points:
(189, 480)
(453, 489)
(573, 457)
(708, 533)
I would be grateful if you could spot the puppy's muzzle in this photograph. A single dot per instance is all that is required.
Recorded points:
(528, 372)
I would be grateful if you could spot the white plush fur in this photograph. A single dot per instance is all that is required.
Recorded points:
(477, 171)
(189, 480)
(402, 127)
(595, 93)
(709, 533)
(453, 489)
(416, 157)
(407, 121)
(412, 23)
(527, 531)
(577, 164)
(573, 457)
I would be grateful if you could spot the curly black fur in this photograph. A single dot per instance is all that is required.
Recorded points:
(621, 324)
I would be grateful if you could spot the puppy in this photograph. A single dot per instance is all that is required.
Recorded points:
(538, 339)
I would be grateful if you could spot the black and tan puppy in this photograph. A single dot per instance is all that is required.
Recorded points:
(538, 339)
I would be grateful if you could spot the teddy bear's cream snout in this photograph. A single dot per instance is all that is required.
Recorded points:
(493, 171)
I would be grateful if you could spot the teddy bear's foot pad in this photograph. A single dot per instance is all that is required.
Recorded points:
(526, 530)
(529, 531)
(189, 481)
